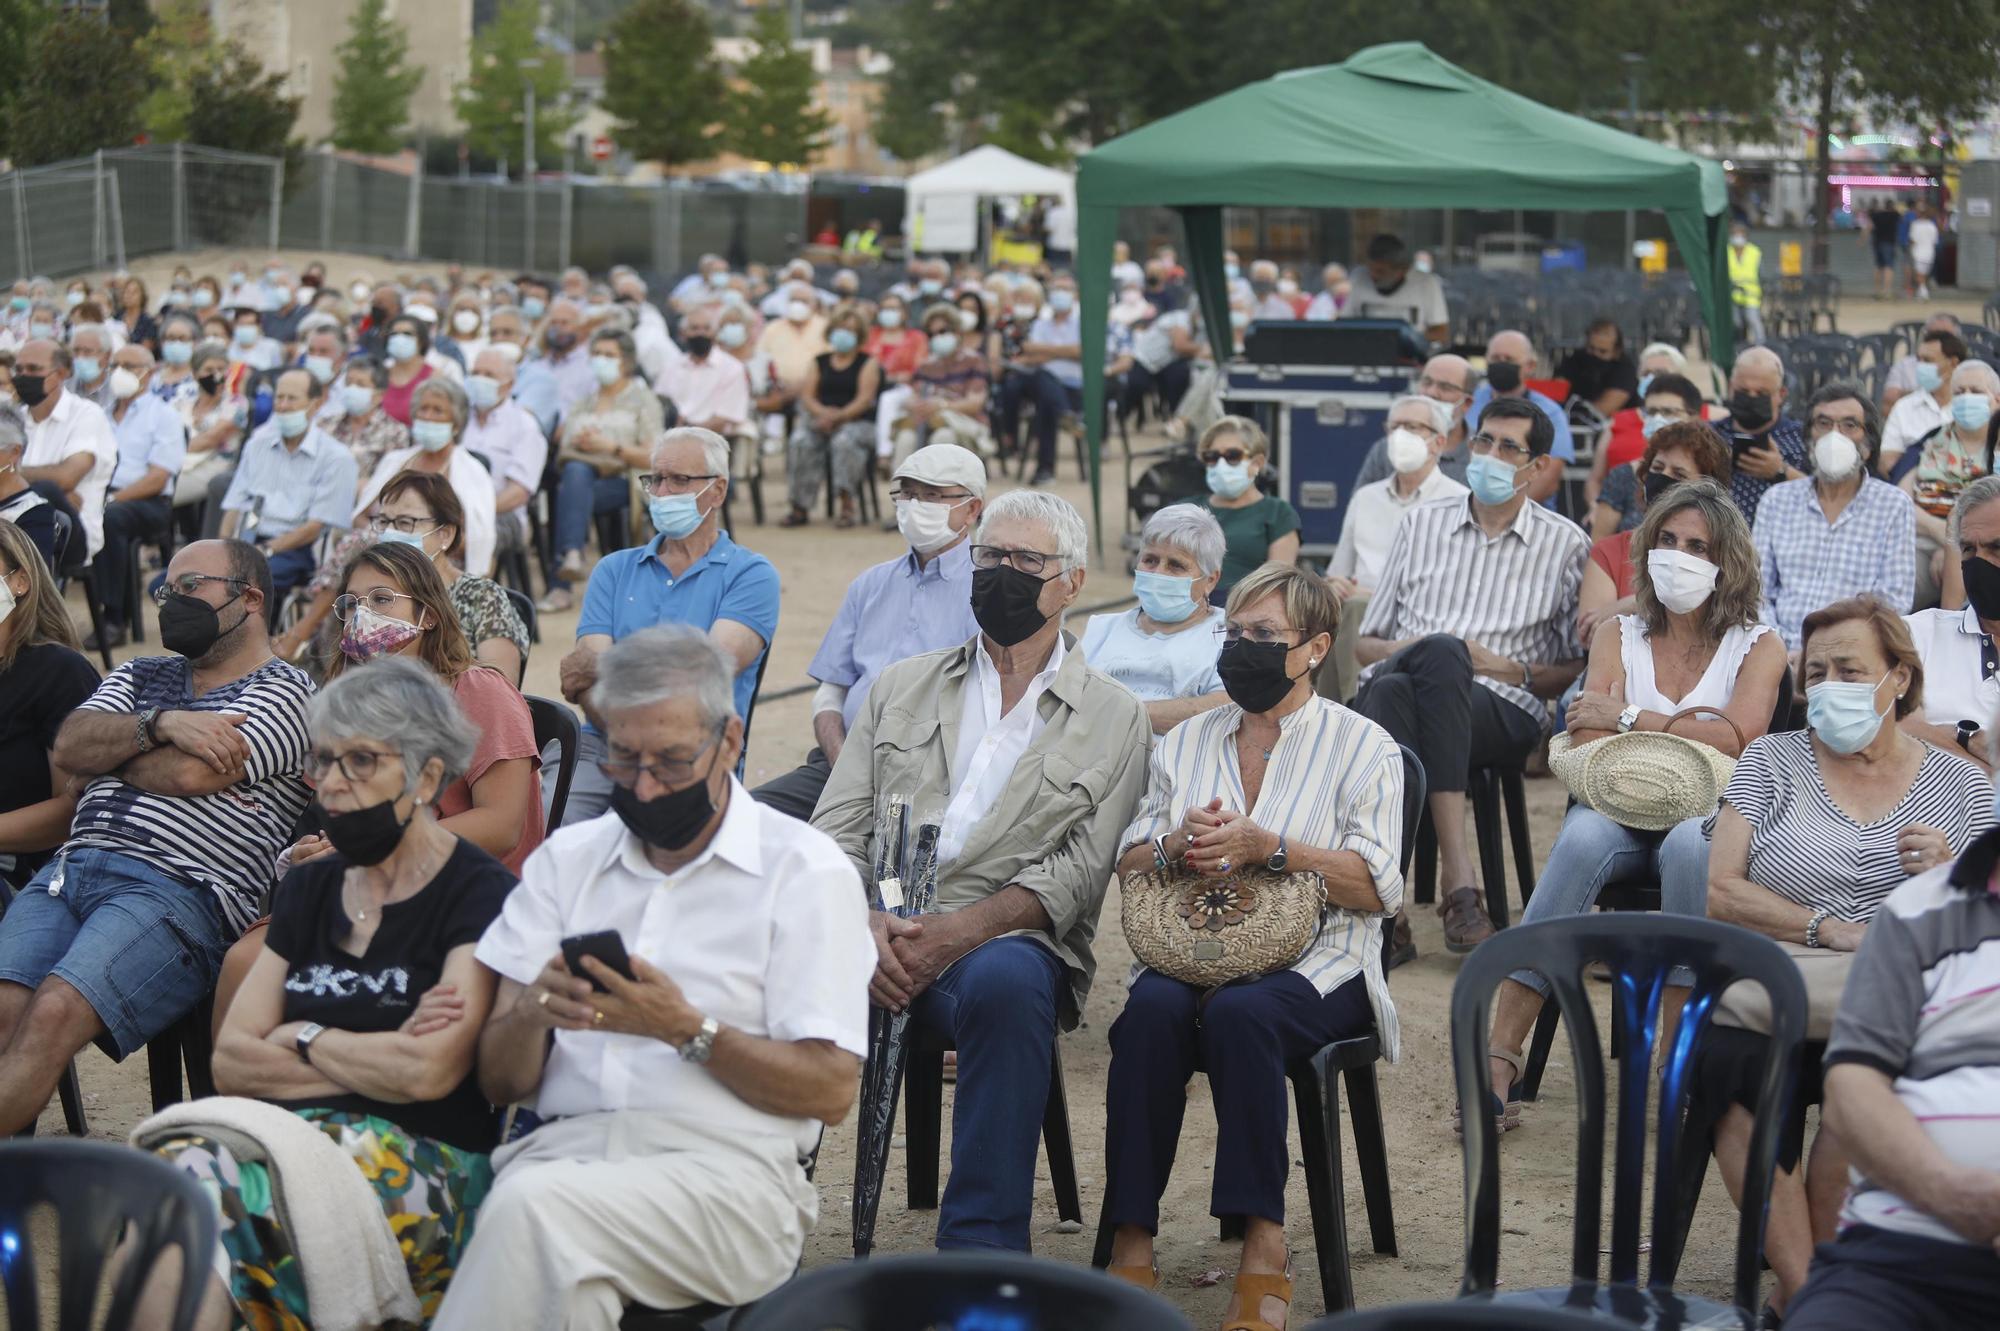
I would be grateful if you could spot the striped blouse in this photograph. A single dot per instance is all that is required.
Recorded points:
(1514, 593)
(1804, 848)
(1335, 781)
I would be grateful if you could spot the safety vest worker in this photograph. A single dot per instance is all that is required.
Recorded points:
(1745, 260)
(863, 241)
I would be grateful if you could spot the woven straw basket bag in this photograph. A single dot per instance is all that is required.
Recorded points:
(1647, 780)
(1208, 931)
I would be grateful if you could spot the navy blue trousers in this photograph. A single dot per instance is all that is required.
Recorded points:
(1872, 1277)
(997, 1005)
(1243, 1036)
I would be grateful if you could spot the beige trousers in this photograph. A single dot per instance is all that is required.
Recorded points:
(591, 1213)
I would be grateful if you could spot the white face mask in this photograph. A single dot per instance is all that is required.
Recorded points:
(124, 384)
(925, 524)
(1681, 581)
(1835, 456)
(798, 311)
(465, 322)
(1407, 451)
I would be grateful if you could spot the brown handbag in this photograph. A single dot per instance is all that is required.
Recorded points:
(1207, 931)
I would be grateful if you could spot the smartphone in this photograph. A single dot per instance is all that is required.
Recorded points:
(606, 946)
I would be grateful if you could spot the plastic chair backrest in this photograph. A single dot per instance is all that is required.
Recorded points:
(969, 1290)
(524, 606)
(65, 528)
(1641, 951)
(750, 711)
(1415, 790)
(555, 722)
(96, 1190)
(1462, 1315)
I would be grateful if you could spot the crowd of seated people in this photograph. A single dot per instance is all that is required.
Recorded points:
(331, 774)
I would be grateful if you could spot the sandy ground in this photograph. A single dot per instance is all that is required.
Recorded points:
(1538, 1162)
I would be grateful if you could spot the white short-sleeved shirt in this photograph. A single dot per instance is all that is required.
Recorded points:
(1953, 648)
(76, 425)
(1418, 301)
(1155, 666)
(1914, 416)
(766, 931)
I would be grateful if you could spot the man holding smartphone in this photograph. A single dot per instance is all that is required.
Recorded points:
(1766, 446)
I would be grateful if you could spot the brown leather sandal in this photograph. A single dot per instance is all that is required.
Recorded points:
(1252, 1288)
(1507, 1107)
(1145, 1277)
(1465, 923)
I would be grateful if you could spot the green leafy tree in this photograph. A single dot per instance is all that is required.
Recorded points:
(661, 82)
(20, 20)
(772, 116)
(73, 93)
(371, 93)
(233, 103)
(492, 101)
(179, 44)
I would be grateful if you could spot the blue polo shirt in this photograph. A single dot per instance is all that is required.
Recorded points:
(632, 589)
(150, 435)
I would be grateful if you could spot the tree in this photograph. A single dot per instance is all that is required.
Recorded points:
(661, 82)
(772, 116)
(372, 90)
(234, 104)
(73, 93)
(491, 100)
(179, 44)
(20, 20)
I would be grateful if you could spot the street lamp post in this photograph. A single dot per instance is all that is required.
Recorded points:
(1632, 61)
(528, 166)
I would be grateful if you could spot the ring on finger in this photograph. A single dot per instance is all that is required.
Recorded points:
(542, 999)
(596, 1017)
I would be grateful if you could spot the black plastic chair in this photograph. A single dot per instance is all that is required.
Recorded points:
(1488, 790)
(135, 577)
(1313, 1082)
(556, 724)
(524, 606)
(100, 1193)
(1641, 952)
(187, 1045)
(67, 568)
(1463, 1315)
(67, 1088)
(967, 1290)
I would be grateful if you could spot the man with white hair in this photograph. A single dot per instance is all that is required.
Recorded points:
(506, 434)
(1266, 303)
(683, 1078)
(1416, 434)
(1511, 360)
(690, 573)
(1031, 762)
(1445, 378)
(90, 353)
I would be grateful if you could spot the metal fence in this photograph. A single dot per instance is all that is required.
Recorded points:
(100, 211)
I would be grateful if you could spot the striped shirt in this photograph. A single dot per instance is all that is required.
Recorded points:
(1808, 562)
(1805, 849)
(1922, 1007)
(1335, 781)
(227, 842)
(1514, 593)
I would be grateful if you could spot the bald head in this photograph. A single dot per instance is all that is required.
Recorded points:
(1761, 363)
(1513, 346)
(1448, 379)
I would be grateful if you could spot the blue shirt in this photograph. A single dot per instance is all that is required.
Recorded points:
(289, 487)
(151, 435)
(892, 612)
(1156, 666)
(1748, 491)
(535, 389)
(1808, 562)
(632, 589)
(1563, 447)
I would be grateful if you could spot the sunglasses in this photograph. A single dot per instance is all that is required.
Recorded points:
(1232, 456)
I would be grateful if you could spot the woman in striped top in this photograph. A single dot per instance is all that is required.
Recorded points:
(1279, 777)
(1815, 829)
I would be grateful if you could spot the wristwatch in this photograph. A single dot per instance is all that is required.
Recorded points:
(1966, 730)
(1628, 718)
(1528, 676)
(1278, 860)
(702, 1045)
(307, 1034)
(149, 719)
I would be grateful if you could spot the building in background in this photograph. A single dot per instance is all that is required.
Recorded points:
(297, 38)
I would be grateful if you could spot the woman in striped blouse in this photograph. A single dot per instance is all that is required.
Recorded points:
(1815, 829)
(1282, 778)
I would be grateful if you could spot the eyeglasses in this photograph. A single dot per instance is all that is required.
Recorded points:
(382, 522)
(1232, 456)
(355, 764)
(1031, 562)
(673, 773)
(189, 584)
(1505, 449)
(1422, 428)
(926, 495)
(1442, 389)
(673, 482)
(1257, 634)
(1852, 426)
(381, 600)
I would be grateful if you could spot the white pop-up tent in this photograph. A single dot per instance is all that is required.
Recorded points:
(943, 214)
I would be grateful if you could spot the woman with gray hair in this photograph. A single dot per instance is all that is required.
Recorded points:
(362, 1011)
(1164, 648)
(1953, 639)
(19, 504)
(602, 442)
(439, 411)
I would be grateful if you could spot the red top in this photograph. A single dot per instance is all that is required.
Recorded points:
(396, 401)
(1628, 436)
(500, 715)
(900, 352)
(1613, 554)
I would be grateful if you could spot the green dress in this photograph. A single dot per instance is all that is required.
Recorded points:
(1247, 534)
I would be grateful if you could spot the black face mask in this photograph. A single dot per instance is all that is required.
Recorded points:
(190, 626)
(561, 339)
(1005, 601)
(211, 384)
(1982, 587)
(1504, 375)
(1751, 412)
(1658, 483)
(1253, 673)
(364, 836)
(666, 822)
(699, 346)
(1261, 288)
(31, 389)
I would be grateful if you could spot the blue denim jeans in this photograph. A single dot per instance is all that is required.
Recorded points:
(1591, 851)
(997, 1004)
(580, 496)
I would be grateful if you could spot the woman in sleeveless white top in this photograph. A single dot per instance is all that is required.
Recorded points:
(1695, 642)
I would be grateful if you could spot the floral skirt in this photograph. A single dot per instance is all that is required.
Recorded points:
(429, 1191)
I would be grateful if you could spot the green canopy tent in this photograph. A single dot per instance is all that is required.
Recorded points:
(1392, 126)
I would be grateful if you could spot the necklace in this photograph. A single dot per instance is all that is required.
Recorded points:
(360, 913)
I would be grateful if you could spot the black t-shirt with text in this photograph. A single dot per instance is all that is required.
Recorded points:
(1591, 376)
(378, 990)
(37, 694)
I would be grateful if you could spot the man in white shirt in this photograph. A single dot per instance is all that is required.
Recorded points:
(1389, 288)
(649, 328)
(507, 435)
(1916, 414)
(679, 1099)
(708, 390)
(71, 450)
(1418, 432)
(1923, 249)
